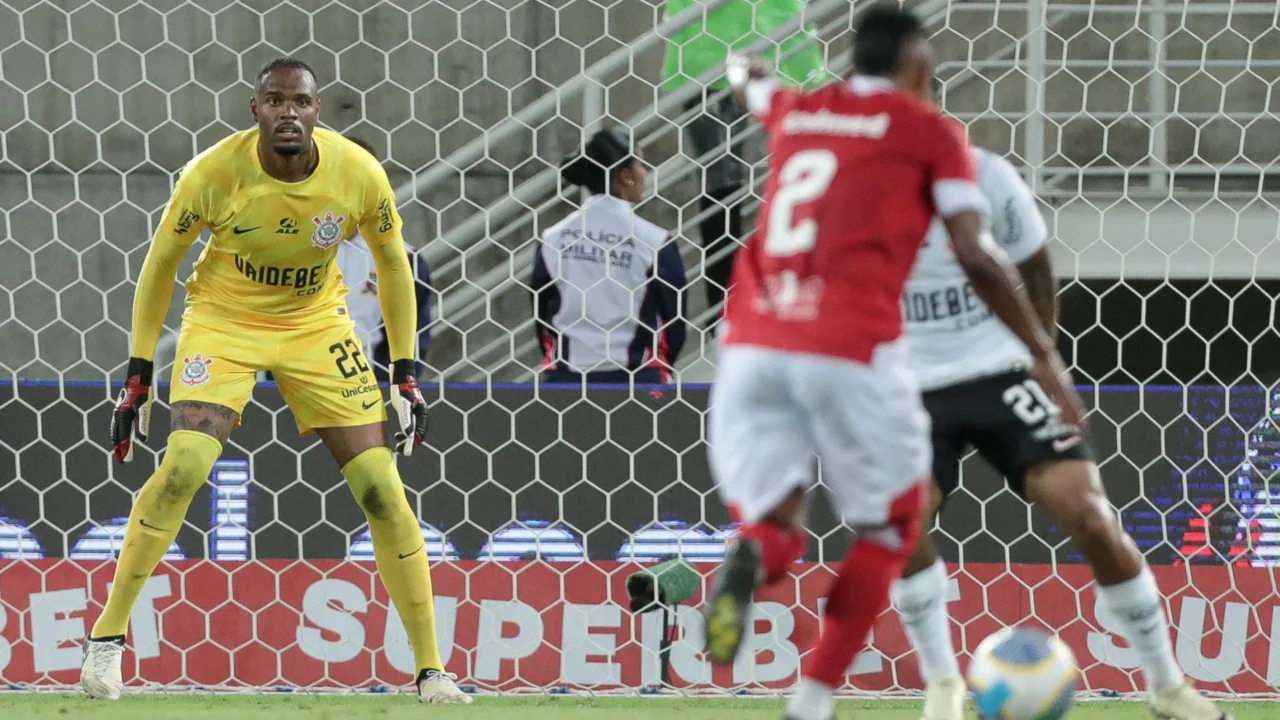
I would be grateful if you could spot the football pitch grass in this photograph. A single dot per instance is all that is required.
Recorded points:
(20, 706)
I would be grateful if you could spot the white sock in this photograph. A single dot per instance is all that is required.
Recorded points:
(1138, 607)
(921, 601)
(812, 701)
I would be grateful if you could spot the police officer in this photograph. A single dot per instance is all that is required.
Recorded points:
(608, 286)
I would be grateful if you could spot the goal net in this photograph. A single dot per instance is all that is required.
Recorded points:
(1148, 130)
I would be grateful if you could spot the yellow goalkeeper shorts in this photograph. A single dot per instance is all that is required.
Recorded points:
(320, 368)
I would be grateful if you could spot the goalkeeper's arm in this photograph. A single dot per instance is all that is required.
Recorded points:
(183, 220)
(400, 317)
(181, 224)
(154, 294)
(397, 297)
(380, 227)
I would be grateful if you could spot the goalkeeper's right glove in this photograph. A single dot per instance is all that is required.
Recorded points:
(132, 414)
(409, 407)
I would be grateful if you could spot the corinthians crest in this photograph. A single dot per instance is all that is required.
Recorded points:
(328, 231)
(195, 370)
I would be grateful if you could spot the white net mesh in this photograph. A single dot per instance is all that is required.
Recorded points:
(1150, 134)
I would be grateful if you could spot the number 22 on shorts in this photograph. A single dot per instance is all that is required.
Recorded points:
(347, 370)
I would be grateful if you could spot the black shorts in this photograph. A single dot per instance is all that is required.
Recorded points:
(1004, 417)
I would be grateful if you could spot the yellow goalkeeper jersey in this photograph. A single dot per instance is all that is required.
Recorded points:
(271, 256)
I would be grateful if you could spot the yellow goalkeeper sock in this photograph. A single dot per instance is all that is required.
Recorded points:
(399, 549)
(154, 522)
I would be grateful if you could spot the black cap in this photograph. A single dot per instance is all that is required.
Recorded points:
(606, 153)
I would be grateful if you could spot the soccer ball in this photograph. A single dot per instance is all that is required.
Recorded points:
(1023, 674)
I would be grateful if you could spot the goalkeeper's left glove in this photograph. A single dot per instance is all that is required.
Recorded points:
(409, 407)
(131, 417)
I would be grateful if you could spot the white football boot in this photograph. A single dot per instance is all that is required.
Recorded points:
(100, 673)
(1184, 702)
(944, 699)
(440, 688)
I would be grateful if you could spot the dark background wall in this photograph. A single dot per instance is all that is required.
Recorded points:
(603, 464)
(1171, 331)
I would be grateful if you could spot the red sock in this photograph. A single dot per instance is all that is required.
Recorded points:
(860, 593)
(779, 546)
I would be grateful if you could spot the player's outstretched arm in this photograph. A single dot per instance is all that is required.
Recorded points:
(380, 226)
(993, 278)
(751, 83)
(183, 220)
(400, 316)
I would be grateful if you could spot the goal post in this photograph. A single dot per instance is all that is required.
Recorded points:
(1148, 131)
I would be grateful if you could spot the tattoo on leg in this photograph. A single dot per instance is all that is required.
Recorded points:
(208, 418)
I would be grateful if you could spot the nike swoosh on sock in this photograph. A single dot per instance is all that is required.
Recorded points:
(415, 552)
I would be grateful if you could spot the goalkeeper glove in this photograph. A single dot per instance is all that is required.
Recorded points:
(409, 407)
(132, 414)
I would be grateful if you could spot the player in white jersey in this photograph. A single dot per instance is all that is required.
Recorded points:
(953, 335)
(973, 375)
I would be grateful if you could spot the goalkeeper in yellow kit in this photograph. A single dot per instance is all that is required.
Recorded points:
(266, 294)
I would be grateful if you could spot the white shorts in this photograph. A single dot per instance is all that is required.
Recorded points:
(775, 414)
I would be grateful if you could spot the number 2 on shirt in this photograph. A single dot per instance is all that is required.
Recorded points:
(804, 178)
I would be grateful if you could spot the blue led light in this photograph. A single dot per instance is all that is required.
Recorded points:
(17, 542)
(105, 541)
(437, 546)
(533, 540)
(674, 538)
(230, 538)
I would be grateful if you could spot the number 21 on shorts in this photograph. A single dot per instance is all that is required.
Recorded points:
(804, 178)
(1030, 402)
